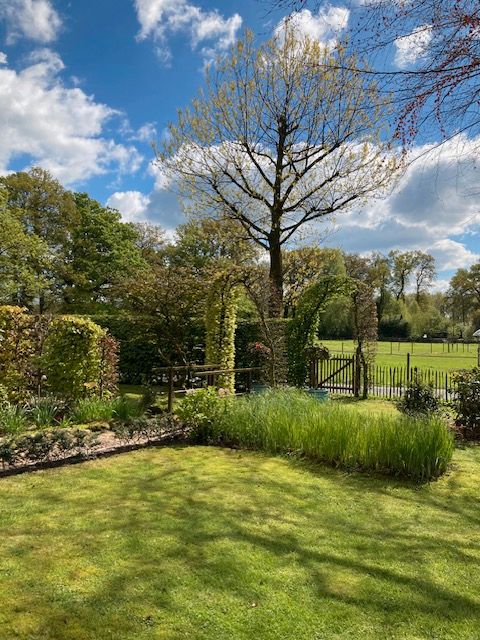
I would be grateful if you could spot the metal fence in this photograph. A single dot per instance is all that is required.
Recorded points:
(337, 374)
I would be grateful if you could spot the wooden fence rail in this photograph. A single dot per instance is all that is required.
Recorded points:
(191, 374)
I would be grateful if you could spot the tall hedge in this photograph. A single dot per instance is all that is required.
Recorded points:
(75, 357)
(144, 345)
(17, 349)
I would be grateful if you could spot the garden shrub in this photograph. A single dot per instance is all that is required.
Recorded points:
(202, 407)
(221, 322)
(22, 339)
(293, 422)
(466, 402)
(77, 356)
(108, 377)
(419, 399)
(144, 345)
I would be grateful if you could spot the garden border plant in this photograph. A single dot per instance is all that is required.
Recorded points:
(290, 422)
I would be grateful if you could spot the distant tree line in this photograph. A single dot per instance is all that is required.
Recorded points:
(65, 253)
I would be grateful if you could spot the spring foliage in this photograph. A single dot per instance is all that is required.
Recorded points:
(73, 362)
(69, 356)
(221, 322)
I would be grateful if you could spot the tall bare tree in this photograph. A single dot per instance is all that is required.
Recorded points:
(424, 273)
(281, 136)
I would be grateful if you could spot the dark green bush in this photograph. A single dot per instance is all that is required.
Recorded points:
(419, 399)
(466, 402)
(142, 341)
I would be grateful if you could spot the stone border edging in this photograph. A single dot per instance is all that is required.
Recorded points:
(106, 452)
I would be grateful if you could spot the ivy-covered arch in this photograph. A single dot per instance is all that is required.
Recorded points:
(304, 326)
(302, 330)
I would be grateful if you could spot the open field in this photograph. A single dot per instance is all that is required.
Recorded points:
(438, 356)
(206, 543)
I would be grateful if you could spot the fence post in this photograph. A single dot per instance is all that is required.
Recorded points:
(356, 375)
(170, 390)
(249, 381)
(311, 382)
(408, 367)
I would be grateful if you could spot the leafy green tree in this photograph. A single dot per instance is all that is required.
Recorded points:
(464, 294)
(424, 273)
(101, 253)
(402, 265)
(282, 136)
(202, 242)
(48, 214)
(381, 277)
(305, 265)
(19, 254)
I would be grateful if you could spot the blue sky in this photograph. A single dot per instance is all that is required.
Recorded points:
(85, 86)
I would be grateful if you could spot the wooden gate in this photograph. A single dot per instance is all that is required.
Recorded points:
(335, 374)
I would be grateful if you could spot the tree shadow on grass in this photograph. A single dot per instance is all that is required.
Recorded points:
(234, 528)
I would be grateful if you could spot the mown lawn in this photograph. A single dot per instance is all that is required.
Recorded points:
(195, 542)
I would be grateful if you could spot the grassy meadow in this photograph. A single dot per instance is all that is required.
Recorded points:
(425, 355)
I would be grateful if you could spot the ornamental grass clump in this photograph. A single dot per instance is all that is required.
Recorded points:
(105, 409)
(292, 422)
(92, 410)
(13, 420)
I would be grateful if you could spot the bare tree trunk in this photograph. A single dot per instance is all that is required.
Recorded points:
(276, 276)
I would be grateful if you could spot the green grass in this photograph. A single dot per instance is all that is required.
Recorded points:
(206, 544)
(291, 421)
(422, 355)
(13, 420)
(98, 409)
(370, 406)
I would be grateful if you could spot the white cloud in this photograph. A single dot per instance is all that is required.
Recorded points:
(32, 19)
(433, 208)
(146, 133)
(412, 47)
(3, 58)
(323, 26)
(208, 31)
(452, 255)
(58, 127)
(132, 205)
